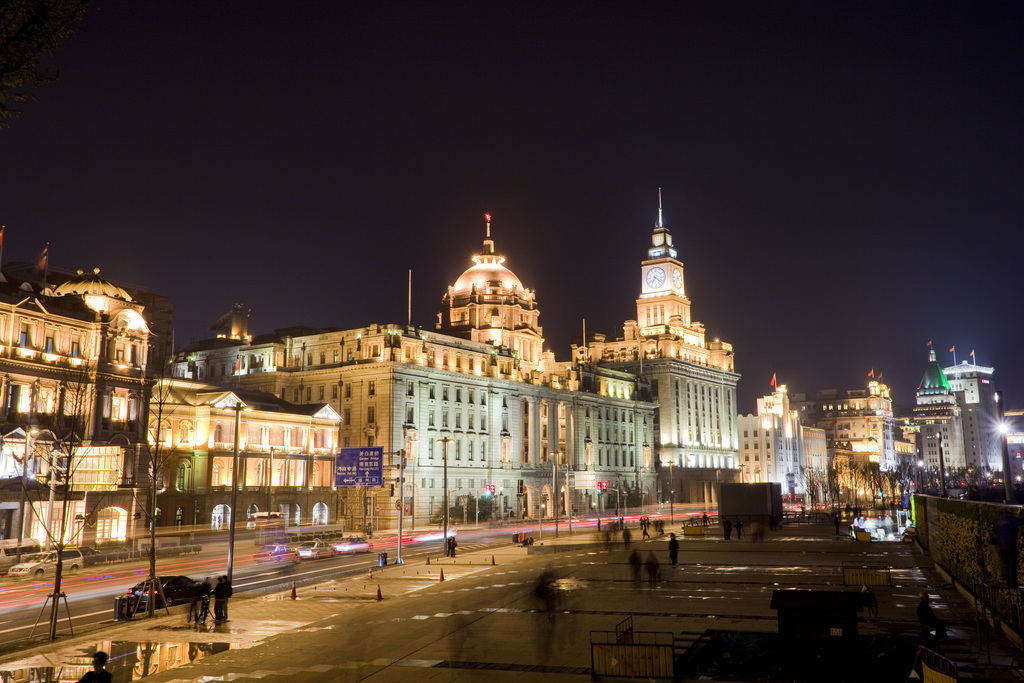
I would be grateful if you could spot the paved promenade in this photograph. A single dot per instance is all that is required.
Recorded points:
(484, 619)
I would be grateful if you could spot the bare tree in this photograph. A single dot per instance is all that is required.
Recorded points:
(30, 30)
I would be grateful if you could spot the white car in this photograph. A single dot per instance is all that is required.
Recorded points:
(38, 564)
(314, 550)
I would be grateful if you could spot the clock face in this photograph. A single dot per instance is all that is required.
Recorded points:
(655, 277)
(677, 278)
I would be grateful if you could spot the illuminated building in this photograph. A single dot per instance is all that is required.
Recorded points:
(286, 455)
(861, 422)
(938, 418)
(73, 359)
(693, 380)
(478, 389)
(771, 444)
(979, 414)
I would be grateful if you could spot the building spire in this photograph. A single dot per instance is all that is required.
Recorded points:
(488, 242)
(660, 224)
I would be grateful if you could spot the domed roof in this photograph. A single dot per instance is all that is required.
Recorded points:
(487, 268)
(934, 380)
(91, 285)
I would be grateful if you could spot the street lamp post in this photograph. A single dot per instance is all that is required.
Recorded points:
(671, 492)
(1004, 451)
(444, 457)
(270, 482)
(238, 408)
(555, 504)
(24, 493)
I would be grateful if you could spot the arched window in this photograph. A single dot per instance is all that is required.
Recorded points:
(220, 517)
(320, 513)
(218, 433)
(185, 433)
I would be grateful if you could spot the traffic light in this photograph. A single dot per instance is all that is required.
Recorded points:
(490, 488)
(602, 486)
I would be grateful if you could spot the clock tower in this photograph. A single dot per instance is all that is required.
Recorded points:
(662, 304)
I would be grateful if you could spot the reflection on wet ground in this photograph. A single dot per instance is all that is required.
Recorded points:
(128, 661)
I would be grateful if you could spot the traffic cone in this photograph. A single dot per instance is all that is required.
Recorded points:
(379, 596)
(294, 595)
(369, 573)
(492, 560)
(442, 575)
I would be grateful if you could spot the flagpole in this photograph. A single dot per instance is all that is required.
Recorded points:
(953, 349)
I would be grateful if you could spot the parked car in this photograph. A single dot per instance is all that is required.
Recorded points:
(353, 544)
(314, 550)
(91, 555)
(275, 553)
(38, 564)
(177, 590)
(9, 551)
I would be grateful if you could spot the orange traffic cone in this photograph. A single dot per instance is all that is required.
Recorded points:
(369, 573)
(294, 595)
(492, 560)
(379, 596)
(442, 575)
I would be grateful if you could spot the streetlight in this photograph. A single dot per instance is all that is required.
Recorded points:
(238, 408)
(24, 492)
(555, 503)
(444, 457)
(1003, 429)
(672, 492)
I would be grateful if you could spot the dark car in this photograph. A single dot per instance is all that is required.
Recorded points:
(177, 590)
(90, 555)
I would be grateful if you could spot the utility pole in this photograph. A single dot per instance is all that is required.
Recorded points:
(555, 500)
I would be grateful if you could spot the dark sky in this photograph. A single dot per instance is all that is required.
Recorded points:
(844, 181)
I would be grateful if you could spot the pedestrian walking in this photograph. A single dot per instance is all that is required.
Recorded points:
(727, 529)
(927, 617)
(704, 519)
(837, 523)
(739, 529)
(653, 569)
(673, 549)
(643, 527)
(634, 565)
(626, 537)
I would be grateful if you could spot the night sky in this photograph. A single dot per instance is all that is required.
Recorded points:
(844, 181)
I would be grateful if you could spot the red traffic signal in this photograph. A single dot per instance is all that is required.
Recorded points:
(602, 486)
(490, 488)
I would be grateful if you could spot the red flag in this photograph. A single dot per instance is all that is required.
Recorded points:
(952, 349)
(872, 373)
(929, 343)
(773, 379)
(1, 244)
(879, 377)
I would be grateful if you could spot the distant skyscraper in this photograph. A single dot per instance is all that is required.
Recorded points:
(771, 444)
(979, 412)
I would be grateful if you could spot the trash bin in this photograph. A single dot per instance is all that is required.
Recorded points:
(382, 559)
(515, 537)
(121, 608)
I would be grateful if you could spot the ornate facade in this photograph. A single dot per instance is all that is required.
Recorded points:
(477, 394)
(693, 380)
(73, 359)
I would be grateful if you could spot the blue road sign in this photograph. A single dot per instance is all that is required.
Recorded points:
(359, 467)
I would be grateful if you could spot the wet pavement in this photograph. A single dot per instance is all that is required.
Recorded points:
(484, 617)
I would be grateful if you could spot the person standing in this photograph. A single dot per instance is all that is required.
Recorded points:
(220, 599)
(727, 529)
(673, 549)
(653, 569)
(98, 673)
(739, 529)
(927, 617)
(704, 519)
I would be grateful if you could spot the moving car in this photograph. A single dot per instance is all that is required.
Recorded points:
(315, 550)
(38, 564)
(275, 553)
(177, 589)
(352, 544)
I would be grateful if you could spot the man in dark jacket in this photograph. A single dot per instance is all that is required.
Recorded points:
(220, 599)
(927, 617)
